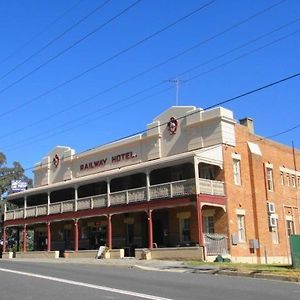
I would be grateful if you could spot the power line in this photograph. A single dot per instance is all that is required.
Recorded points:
(19, 49)
(255, 90)
(101, 63)
(209, 107)
(64, 51)
(54, 40)
(248, 43)
(165, 62)
(148, 89)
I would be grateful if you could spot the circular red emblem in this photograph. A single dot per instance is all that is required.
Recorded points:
(55, 160)
(172, 125)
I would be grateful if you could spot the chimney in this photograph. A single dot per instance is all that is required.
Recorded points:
(248, 122)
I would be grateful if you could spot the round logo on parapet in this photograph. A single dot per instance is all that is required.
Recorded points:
(172, 125)
(55, 160)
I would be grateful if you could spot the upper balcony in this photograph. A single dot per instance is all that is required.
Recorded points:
(158, 191)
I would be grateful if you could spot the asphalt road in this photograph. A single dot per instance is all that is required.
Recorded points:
(51, 281)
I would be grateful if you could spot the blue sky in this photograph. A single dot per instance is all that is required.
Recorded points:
(237, 46)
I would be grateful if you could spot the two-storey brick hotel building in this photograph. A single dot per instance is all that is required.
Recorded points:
(196, 184)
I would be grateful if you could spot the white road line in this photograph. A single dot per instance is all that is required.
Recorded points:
(91, 286)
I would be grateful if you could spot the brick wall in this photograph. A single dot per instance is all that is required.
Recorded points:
(252, 195)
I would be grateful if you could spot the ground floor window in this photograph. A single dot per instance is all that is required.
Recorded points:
(290, 227)
(241, 228)
(275, 235)
(208, 224)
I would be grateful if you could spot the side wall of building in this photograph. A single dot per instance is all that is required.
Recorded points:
(250, 199)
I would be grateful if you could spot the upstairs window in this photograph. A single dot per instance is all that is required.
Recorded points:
(293, 181)
(282, 178)
(270, 183)
(237, 171)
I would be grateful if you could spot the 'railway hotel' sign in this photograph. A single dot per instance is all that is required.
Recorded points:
(102, 162)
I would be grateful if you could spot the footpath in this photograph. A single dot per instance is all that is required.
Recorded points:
(168, 266)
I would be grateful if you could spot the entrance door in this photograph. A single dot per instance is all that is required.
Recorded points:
(67, 239)
(158, 232)
(129, 249)
(97, 237)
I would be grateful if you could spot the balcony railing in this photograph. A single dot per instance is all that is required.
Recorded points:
(212, 187)
(158, 191)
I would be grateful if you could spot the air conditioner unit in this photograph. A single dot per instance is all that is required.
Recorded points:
(272, 221)
(271, 208)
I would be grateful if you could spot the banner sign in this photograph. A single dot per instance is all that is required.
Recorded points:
(18, 185)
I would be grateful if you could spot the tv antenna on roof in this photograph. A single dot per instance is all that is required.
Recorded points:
(177, 82)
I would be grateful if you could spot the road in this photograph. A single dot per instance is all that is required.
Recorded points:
(66, 281)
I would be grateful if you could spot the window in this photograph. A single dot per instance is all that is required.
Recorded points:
(241, 228)
(298, 181)
(287, 179)
(237, 171)
(282, 178)
(185, 230)
(275, 235)
(208, 224)
(290, 227)
(293, 181)
(270, 185)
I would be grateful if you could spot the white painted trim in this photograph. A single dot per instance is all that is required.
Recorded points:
(289, 171)
(240, 211)
(254, 148)
(88, 285)
(236, 156)
(213, 205)
(268, 165)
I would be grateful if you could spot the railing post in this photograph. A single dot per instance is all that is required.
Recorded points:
(148, 185)
(61, 207)
(196, 171)
(211, 187)
(36, 211)
(76, 199)
(126, 197)
(171, 190)
(14, 214)
(48, 203)
(92, 202)
(108, 191)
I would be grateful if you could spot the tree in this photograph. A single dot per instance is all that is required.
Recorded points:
(7, 175)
